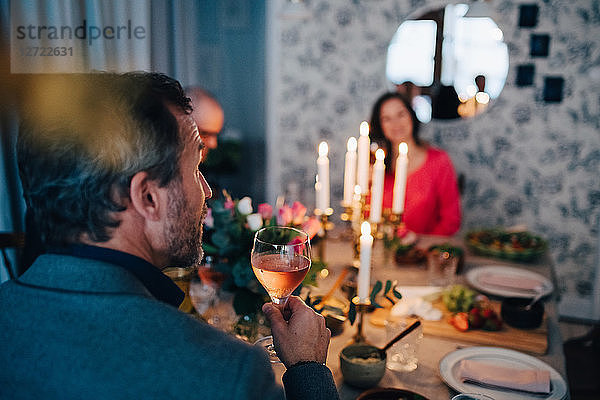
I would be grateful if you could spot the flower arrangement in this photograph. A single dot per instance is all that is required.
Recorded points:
(230, 226)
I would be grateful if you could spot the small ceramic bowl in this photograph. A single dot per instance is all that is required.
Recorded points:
(514, 313)
(362, 365)
(334, 310)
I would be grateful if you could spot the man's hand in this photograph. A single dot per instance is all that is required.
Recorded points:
(302, 337)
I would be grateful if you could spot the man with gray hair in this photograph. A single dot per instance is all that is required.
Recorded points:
(109, 165)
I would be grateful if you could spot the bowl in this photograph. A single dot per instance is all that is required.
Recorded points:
(513, 312)
(362, 365)
(389, 394)
(335, 311)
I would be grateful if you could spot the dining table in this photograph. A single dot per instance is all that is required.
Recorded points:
(336, 250)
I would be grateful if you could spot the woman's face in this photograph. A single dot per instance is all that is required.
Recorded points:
(396, 122)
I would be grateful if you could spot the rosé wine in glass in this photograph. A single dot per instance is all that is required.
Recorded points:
(280, 260)
(280, 276)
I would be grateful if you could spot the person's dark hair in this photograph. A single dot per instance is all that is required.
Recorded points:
(81, 140)
(376, 132)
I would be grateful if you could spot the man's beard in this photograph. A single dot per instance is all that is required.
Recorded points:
(183, 230)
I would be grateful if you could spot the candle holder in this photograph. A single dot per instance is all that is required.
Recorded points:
(395, 219)
(324, 217)
(326, 225)
(361, 309)
(346, 215)
(356, 249)
(377, 230)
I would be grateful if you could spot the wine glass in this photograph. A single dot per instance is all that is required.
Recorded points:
(280, 260)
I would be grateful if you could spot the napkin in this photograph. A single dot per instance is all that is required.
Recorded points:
(487, 374)
(414, 302)
(513, 282)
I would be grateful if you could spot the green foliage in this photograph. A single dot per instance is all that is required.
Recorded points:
(388, 292)
(246, 302)
(311, 278)
(224, 159)
(396, 244)
(454, 251)
(229, 240)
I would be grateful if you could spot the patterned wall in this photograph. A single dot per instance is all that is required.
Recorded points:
(525, 160)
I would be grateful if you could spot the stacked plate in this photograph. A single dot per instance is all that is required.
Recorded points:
(499, 357)
(506, 281)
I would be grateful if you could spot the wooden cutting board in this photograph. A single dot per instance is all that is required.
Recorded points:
(533, 341)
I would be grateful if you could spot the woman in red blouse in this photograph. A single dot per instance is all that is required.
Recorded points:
(432, 204)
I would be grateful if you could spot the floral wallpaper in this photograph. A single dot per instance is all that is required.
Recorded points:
(526, 161)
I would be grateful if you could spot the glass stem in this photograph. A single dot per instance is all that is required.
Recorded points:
(280, 303)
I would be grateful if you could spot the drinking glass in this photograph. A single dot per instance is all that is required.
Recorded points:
(280, 260)
(441, 267)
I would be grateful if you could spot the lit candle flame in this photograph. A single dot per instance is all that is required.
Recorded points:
(364, 128)
(379, 154)
(482, 97)
(323, 149)
(403, 148)
(365, 228)
(352, 144)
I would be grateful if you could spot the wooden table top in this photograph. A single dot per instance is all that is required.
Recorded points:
(426, 379)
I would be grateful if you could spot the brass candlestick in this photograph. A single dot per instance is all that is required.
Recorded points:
(326, 225)
(377, 230)
(396, 221)
(346, 215)
(361, 309)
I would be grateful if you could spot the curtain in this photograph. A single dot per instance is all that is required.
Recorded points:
(163, 42)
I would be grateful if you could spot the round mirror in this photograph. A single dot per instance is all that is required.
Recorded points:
(451, 62)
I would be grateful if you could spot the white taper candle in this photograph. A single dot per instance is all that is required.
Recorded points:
(377, 187)
(364, 272)
(323, 170)
(364, 152)
(400, 179)
(350, 171)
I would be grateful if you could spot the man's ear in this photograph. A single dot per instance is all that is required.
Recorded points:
(147, 198)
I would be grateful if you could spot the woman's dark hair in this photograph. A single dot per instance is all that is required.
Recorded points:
(376, 132)
(81, 140)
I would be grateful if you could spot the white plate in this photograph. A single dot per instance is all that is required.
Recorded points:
(473, 277)
(500, 357)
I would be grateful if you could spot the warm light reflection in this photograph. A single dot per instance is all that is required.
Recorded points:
(497, 34)
(352, 144)
(471, 90)
(357, 190)
(380, 155)
(365, 228)
(403, 148)
(482, 97)
(323, 149)
(364, 128)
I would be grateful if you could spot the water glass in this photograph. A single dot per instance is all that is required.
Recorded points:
(441, 268)
(403, 355)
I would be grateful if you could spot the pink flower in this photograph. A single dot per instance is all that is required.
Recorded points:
(298, 213)
(401, 231)
(311, 226)
(265, 210)
(285, 215)
(229, 204)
